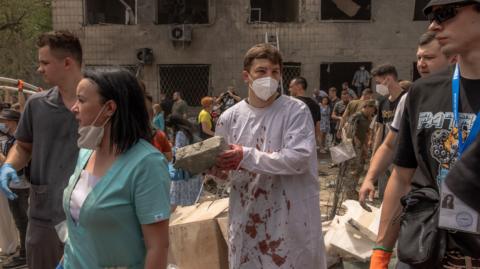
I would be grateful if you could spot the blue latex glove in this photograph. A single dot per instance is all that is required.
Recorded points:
(7, 174)
(59, 266)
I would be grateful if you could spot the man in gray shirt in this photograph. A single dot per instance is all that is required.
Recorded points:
(179, 106)
(47, 134)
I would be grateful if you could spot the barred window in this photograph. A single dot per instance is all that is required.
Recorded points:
(290, 71)
(191, 80)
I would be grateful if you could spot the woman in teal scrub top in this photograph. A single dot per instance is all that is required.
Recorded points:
(117, 201)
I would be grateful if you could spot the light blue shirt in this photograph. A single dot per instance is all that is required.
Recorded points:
(134, 191)
(159, 121)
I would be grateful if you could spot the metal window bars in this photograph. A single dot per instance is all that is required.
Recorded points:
(191, 80)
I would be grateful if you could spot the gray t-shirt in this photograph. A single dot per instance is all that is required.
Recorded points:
(179, 108)
(52, 130)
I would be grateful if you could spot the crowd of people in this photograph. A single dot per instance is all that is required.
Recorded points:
(93, 156)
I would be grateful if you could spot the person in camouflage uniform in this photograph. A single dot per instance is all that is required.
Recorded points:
(357, 130)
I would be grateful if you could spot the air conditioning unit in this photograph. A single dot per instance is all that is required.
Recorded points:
(181, 32)
(145, 56)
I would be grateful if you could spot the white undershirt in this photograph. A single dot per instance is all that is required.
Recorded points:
(395, 126)
(84, 186)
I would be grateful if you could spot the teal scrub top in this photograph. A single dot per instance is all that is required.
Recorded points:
(134, 191)
(159, 122)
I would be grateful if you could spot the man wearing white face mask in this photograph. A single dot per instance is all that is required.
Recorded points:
(274, 210)
(386, 79)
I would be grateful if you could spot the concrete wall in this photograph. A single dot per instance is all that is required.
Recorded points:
(390, 36)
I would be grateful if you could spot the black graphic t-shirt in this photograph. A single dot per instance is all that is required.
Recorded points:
(313, 107)
(463, 179)
(428, 139)
(386, 112)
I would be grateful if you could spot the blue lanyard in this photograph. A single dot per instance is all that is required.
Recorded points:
(455, 103)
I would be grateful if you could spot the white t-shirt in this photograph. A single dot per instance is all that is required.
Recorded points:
(395, 126)
(84, 186)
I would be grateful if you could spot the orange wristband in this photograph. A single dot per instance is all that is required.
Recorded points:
(380, 259)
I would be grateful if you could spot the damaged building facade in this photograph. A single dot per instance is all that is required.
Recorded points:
(197, 46)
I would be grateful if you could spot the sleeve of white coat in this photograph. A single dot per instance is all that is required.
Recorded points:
(294, 157)
(222, 126)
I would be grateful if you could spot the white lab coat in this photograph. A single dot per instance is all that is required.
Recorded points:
(8, 231)
(274, 215)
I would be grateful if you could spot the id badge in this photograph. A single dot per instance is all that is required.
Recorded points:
(455, 214)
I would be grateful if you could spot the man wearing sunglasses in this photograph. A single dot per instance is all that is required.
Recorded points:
(439, 120)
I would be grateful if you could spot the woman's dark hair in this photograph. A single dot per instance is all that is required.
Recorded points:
(130, 122)
(325, 97)
(180, 124)
(448, 203)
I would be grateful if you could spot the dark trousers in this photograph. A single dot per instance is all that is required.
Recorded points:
(44, 248)
(360, 90)
(19, 208)
(333, 132)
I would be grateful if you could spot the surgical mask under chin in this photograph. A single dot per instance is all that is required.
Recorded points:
(91, 136)
(264, 88)
(382, 89)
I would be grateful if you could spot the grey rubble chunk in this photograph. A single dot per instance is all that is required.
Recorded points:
(201, 156)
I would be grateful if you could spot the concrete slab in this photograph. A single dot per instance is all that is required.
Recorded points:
(201, 156)
(367, 223)
(346, 240)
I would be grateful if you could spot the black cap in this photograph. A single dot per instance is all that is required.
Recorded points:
(10, 114)
(428, 7)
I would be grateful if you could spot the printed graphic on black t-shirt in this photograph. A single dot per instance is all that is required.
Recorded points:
(428, 136)
(386, 112)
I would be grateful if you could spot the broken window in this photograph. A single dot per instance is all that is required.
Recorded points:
(182, 11)
(191, 80)
(110, 11)
(290, 71)
(273, 11)
(334, 74)
(346, 9)
(418, 13)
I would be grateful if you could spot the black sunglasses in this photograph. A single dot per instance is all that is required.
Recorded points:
(446, 12)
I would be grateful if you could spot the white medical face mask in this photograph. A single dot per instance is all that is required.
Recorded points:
(264, 88)
(382, 89)
(91, 136)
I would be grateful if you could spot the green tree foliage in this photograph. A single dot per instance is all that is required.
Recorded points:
(21, 21)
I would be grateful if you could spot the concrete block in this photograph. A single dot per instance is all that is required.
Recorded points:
(346, 240)
(367, 223)
(201, 156)
(348, 243)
